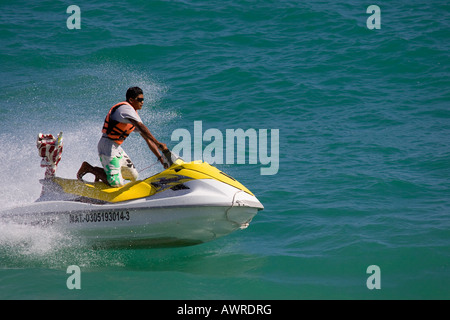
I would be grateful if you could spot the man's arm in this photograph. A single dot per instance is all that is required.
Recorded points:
(152, 143)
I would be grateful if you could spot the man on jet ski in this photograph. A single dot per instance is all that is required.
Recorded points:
(121, 120)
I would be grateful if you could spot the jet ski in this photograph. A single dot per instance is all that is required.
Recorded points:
(188, 203)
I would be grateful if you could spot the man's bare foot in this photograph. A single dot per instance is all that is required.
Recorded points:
(98, 172)
(85, 168)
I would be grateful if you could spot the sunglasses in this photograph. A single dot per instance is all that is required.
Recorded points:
(139, 99)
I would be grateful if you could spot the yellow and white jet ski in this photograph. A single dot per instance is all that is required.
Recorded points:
(188, 203)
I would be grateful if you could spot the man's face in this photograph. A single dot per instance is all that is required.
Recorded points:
(137, 102)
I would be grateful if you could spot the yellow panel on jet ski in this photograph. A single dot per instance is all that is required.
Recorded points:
(203, 170)
(177, 174)
(100, 191)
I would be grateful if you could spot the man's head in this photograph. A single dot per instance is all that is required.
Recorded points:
(135, 97)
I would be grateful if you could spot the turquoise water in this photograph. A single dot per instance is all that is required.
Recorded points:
(364, 158)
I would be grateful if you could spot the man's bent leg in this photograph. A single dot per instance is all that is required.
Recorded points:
(99, 173)
(112, 170)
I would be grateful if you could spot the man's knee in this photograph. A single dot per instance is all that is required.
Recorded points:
(115, 181)
(130, 173)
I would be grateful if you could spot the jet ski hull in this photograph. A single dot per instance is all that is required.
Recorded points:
(203, 210)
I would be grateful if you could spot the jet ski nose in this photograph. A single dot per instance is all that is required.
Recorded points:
(242, 209)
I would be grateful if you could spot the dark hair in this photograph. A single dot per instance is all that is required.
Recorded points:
(133, 92)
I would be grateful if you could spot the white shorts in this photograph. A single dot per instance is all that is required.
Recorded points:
(118, 166)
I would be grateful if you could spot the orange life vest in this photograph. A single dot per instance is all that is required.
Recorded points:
(117, 131)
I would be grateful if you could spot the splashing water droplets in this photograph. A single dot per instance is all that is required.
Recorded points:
(77, 106)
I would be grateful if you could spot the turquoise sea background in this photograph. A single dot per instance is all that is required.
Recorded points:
(364, 155)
